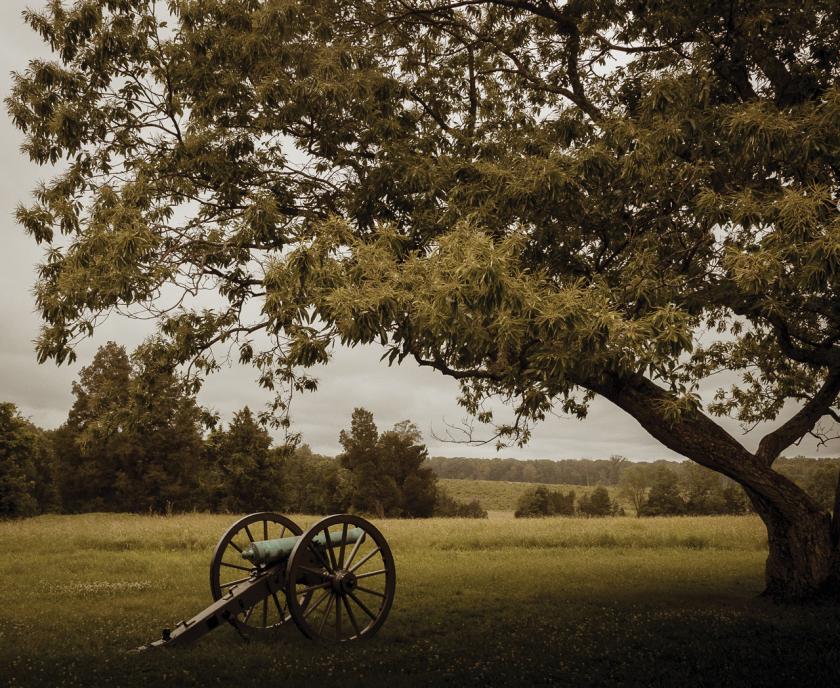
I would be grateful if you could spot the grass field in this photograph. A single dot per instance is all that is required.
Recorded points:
(570, 602)
(501, 495)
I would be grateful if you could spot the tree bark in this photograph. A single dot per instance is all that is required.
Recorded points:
(802, 558)
(803, 562)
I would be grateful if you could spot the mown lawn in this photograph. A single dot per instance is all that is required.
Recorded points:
(571, 602)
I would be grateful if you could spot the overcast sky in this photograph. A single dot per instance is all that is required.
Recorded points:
(354, 378)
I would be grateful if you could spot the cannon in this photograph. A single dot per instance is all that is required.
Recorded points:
(335, 581)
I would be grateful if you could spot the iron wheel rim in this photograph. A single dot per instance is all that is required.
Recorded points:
(348, 589)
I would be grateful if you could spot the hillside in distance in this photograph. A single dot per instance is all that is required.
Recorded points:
(503, 495)
(589, 472)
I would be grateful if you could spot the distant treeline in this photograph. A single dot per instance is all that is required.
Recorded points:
(551, 472)
(818, 477)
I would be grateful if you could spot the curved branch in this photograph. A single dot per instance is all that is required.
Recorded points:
(802, 422)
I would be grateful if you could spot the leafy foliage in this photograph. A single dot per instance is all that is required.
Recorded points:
(540, 501)
(489, 189)
(313, 484)
(599, 504)
(133, 439)
(27, 467)
(449, 507)
(244, 475)
(387, 472)
(664, 498)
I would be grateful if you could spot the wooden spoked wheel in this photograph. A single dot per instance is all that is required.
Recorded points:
(229, 568)
(340, 591)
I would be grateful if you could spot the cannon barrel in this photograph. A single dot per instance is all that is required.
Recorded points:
(270, 551)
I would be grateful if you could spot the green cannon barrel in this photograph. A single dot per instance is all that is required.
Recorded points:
(267, 551)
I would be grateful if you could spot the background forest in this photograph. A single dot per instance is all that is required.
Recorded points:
(136, 440)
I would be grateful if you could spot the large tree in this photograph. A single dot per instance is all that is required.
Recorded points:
(547, 201)
(27, 467)
(133, 438)
(375, 489)
(93, 444)
(245, 474)
(386, 471)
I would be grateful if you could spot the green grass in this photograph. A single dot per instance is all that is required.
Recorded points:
(578, 602)
(501, 495)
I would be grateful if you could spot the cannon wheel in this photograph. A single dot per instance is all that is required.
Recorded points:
(351, 585)
(228, 568)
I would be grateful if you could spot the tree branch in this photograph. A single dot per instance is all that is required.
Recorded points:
(439, 365)
(696, 436)
(802, 422)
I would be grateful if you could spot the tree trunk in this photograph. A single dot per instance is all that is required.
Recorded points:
(803, 562)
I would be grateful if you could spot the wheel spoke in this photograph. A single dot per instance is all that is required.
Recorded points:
(330, 551)
(312, 608)
(371, 573)
(338, 621)
(362, 605)
(248, 533)
(351, 615)
(248, 614)
(319, 555)
(315, 572)
(235, 566)
(343, 545)
(365, 559)
(235, 546)
(280, 611)
(311, 588)
(326, 614)
(370, 592)
(265, 613)
(265, 530)
(355, 549)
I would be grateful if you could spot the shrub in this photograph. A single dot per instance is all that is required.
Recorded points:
(598, 503)
(664, 498)
(448, 507)
(541, 501)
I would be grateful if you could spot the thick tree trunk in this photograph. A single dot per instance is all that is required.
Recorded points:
(803, 562)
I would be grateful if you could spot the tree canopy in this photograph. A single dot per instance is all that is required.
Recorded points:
(133, 440)
(27, 467)
(544, 201)
(387, 475)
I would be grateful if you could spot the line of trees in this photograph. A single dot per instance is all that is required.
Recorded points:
(701, 490)
(659, 490)
(651, 489)
(550, 472)
(136, 440)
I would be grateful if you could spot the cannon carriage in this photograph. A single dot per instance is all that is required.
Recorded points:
(335, 581)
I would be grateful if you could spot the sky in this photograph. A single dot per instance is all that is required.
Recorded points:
(353, 378)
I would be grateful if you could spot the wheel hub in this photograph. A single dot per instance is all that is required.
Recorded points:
(344, 582)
